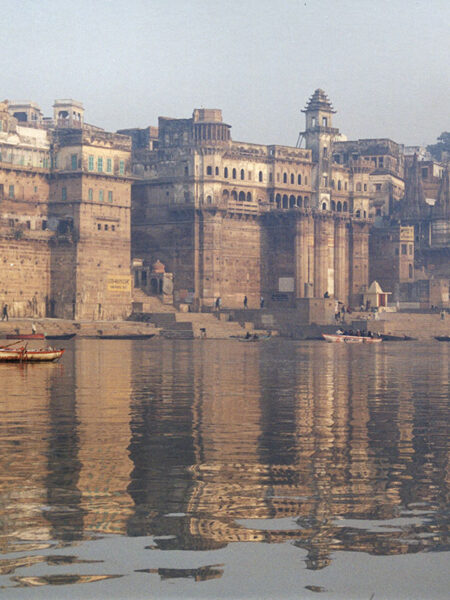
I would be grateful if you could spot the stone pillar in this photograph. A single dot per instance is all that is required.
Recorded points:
(359, 260)
(322, 234)
(340, 261)
(330, 273)
(210, 252)
(302, 259)
(310, 245)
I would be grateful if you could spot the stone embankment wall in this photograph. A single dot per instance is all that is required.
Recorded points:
(24, 274)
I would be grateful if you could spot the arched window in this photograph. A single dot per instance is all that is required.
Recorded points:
(358, 213)
(358, 186)
(234, 174)
(324, 122)
(209, 170)
(225, 194)
(291, 201)
(332, 183)
(339, 206)
(217, 170)
(365, 215)
(225, 172)
(234, 195)
(410, 269)
(299, 179)
(278, 200)
(208, 200)
(285, 201)
(242, 174)
(333, 205)
(249, 196)
(299, 201)
(345, 206)
(284, 177)
(339, 184)
(292, 177)
(241, 196)
(324, 206)
(260, 176)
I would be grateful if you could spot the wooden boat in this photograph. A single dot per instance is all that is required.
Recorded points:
(60, 336)
(387, 337)
(442, 338)
(25, 336)
(350, 339)
(22, 355)
(112, 336)
(255, 338)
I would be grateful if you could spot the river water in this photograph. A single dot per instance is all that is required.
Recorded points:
(219, 469)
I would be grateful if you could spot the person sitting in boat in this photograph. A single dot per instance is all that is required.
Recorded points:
(33, 328)
(340, 332)
(247, 335)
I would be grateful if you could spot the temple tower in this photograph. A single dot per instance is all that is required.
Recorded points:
(318, 136)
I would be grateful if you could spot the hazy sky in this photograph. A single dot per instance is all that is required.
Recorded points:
(383, 63)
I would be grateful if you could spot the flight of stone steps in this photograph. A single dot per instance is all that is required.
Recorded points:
(182, 325)
(212, 326)
(151, 304)
(417, 325)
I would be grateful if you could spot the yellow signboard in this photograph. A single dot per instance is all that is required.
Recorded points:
(119, 283)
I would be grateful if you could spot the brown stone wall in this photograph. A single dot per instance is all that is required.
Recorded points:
(103, 263)
(24, 274)
(24, 251)
(171, 238)
(279, 253)
(231, 259)
(63, 280)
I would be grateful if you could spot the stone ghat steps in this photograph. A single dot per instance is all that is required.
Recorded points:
(182, 325)
(214, 328)
(421, 326)
(81, 328)
(151, 304)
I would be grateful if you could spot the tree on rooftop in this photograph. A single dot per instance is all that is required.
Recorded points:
(443, 145)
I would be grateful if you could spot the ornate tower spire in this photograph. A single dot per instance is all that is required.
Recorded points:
(319, 135)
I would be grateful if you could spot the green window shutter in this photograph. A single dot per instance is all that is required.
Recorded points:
(122, 167)
(100, 195)
(64, 193)
(110, 196)
(99, 165)
(11, 191)
(91, 163)
(74, 161)
(109, 165)
(90, 194)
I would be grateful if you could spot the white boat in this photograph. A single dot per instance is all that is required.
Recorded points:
(341, 338)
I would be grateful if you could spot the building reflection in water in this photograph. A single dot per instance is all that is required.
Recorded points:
(201, 444)
(323, 436)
